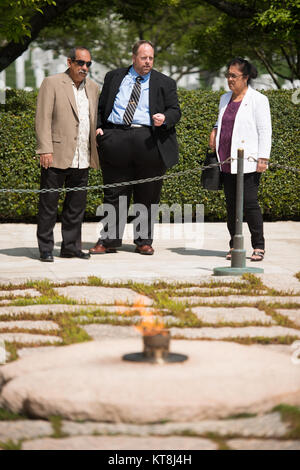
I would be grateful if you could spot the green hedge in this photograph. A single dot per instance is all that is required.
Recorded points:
(279, 190)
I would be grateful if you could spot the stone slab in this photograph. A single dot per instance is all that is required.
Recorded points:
(20, 293)
(258, 444)
(90, 381)
(103, 295)
(269, 425)
(292, 314)
(120, 443)
(41, 309)
(238, 299)
(29, 338)
(166, 319)
(23, 352)
(206, 290)
(172, 261)
(24, 429)
(236, 332)
(287, 283)
(104, 332)
(29, 325)
(231, 315)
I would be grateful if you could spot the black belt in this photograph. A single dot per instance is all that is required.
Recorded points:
(110, 125)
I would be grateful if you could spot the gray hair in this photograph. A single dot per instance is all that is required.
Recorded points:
(72, 53)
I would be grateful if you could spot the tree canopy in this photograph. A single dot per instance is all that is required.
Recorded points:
(189, 35)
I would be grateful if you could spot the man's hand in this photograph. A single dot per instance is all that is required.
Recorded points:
(212, 139)
(158, 119)
(262, 165)
(46, 160)
(99, 131)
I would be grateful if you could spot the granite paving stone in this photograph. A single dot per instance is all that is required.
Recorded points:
(90, 381)
(104, 332)
(24, 429)
(120, 443)
(292, 314)
(236, 332)
(24, 352)
(238, 299)
(30, 325)
(28, 338)
(166, 319)
(259, 444)
(286, 283)
(40, 309)
(103, 295)
(269, 425)
(20, 293)
(206, 290)
(234, 314)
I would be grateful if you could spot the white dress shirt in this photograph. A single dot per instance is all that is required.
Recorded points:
(82, 153)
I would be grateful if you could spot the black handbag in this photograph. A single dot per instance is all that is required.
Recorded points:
(211, 177)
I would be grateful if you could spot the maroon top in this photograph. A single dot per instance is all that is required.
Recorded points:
(226, 133)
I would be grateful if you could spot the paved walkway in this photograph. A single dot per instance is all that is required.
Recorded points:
(65, 339)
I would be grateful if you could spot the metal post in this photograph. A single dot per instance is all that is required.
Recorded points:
(238, 254)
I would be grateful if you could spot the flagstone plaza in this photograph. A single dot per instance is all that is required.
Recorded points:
(65, 327)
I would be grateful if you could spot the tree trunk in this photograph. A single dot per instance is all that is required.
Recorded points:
(11, 51)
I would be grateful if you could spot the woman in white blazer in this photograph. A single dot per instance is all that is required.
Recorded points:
(244, 122)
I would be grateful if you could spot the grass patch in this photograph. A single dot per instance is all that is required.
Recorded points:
(291, 415)
(253, 281)
(57, 423)
(217, 439)
(43, 300)
(241, 416)
(11, 445)
(70, 332)
(6, 415)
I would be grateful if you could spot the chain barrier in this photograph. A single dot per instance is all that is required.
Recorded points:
(141, 181)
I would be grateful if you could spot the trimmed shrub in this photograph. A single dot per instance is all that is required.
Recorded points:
(279, 189)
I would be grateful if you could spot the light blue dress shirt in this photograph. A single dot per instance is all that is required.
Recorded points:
(142, 113)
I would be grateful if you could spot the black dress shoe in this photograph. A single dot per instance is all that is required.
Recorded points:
(46, 256)
(78, 254)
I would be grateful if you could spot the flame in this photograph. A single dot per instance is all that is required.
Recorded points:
(149, 325)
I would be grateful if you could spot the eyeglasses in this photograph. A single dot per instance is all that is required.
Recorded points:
(82, 62)
(232, 75)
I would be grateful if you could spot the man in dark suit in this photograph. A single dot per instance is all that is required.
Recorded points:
(137, 113)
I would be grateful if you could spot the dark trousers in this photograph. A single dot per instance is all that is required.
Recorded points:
(73, 208)
(126, 155)
(252, 212)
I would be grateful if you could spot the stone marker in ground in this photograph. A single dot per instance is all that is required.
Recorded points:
(121, 443)
(259, 444)
(231, 315)
(103, 295)
(235, 332)
(90, 381)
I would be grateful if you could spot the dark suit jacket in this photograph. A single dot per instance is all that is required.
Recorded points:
(162, 99)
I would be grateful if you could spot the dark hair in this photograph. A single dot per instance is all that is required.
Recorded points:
(140, 43)
(72, 53)
(245, 67)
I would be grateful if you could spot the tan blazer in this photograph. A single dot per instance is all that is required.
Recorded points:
(57, 123)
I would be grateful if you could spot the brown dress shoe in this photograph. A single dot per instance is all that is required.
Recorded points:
(144, 250)
(100, 249)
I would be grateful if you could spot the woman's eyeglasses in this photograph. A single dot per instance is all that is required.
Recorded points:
(232, 75)
(82, 62)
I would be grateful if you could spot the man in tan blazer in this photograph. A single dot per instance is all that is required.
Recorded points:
(65, 125)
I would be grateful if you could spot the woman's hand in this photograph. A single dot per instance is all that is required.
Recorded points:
(262, 165)
(212, 139)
